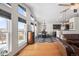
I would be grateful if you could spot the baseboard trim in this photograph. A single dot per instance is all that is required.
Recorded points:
(19, 51)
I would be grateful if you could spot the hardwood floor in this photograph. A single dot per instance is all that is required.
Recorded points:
(43, 49)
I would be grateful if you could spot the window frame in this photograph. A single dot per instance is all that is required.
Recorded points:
(23, 9)
(7, 44)
(22, 30)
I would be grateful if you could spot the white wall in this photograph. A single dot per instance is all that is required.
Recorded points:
(77, 23)
(49, 28)
(39, 27)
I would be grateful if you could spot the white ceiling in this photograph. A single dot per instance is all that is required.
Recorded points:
(50, 12)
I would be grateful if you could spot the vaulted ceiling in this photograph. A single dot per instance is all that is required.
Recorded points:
(50, 12)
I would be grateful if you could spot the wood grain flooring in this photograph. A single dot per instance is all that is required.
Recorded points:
(43, 49)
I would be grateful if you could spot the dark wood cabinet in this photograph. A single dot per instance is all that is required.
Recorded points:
(30, 37)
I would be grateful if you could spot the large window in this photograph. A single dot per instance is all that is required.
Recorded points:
(32, 23)
(5, 23)
(32, 27)
(4, 34)
(21, 31)
(21, 10)
(57, 26)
